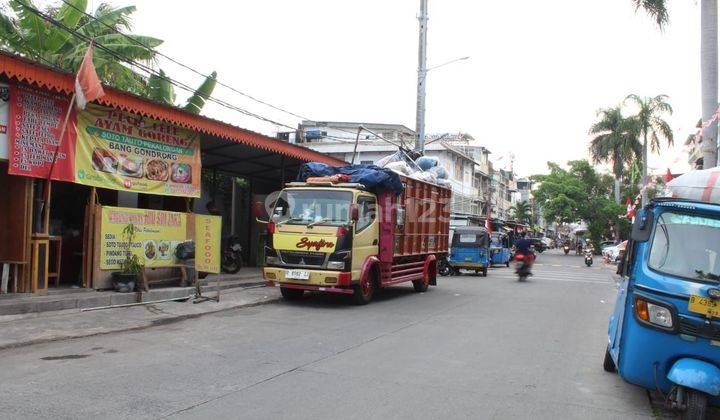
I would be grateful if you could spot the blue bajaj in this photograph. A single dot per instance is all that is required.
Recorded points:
(500, 249)
(665, 331)
(469, 250)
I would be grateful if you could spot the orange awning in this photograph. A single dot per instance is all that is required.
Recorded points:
(42, 76)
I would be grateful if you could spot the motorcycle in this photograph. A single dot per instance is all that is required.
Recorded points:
(444, 268)
(588, 258)
(231, 261)
(523, 264)
(566, 249)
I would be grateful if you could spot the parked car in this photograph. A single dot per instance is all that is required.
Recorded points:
(614, 253)
(539, 245)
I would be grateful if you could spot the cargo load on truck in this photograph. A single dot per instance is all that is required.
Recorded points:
(699, 185)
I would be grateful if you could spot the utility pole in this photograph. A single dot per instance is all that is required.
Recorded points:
(422, 72)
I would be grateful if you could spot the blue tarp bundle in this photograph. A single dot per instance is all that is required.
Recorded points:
(374, 178)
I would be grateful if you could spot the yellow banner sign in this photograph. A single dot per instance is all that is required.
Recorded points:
(127, 152)
(157, 235)
(207, 243)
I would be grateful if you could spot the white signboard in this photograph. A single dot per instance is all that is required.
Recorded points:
(4, 116)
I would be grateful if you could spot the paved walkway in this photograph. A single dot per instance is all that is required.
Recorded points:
(61, 325)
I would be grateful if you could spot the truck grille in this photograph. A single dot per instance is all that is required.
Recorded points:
(700, 328)
(313, 259)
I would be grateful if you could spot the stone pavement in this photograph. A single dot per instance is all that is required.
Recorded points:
(62, 325)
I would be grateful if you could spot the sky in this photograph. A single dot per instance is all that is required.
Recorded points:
(537, 74)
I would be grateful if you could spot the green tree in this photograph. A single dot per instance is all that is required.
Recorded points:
(521, 211)
(616, 142)
(29, 35)
(650, 123)
(577, 194)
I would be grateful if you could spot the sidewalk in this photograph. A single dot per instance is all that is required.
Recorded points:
(63, 325)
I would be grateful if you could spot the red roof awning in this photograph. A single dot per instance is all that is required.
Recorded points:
(49, 78)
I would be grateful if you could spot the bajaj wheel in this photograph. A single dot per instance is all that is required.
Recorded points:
(507, 263)
(291, 294)
(484, 272)
(608, 362)
(696, 406)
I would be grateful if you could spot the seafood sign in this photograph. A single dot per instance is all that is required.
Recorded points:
(157, 235)
(124, 151)
(207, 243)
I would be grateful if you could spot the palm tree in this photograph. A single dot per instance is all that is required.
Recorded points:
(650, 123)
(616, 141)
(708, 66)
(521, 211)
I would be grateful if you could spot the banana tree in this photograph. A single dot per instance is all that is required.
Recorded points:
(26, 33)
(162, 90)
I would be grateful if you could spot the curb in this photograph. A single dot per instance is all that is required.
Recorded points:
(147, 325)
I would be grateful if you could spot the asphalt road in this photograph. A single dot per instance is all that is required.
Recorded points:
(472, 347)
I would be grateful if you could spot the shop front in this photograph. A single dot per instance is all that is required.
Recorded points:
(122, 163)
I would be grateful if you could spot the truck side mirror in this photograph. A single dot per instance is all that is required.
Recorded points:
(354, 212)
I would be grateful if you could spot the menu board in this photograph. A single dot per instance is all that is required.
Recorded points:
(4, 118)
(36, 120)
(157, 235)
(124, 151)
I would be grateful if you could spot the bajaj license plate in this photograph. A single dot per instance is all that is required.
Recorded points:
(706, 306)
(297, 275)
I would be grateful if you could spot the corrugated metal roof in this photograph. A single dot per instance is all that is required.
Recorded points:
(23, 70)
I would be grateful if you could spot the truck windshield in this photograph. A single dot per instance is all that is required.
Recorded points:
(687, 246)
(321, 207)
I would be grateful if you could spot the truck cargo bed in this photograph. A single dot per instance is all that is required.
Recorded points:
(425, 212)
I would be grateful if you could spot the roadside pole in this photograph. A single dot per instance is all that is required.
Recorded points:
(422, 72)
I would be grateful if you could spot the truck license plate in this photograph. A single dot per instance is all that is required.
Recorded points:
(706, 306)
(297, 275)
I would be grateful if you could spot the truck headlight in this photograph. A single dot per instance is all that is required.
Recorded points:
(654, 314)
(271, 260)
(336, 265)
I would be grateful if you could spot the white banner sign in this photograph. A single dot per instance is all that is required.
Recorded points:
(4, 111)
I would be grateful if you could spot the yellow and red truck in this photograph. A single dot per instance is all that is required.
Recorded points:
(339, 237)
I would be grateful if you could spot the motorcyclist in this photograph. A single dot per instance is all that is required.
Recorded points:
(524, 246)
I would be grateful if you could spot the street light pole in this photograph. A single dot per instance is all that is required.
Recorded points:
(422, 72)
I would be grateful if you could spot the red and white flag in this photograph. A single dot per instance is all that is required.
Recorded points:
(630, 209)
(87, 83)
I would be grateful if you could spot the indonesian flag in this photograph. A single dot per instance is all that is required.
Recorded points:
(87, 83)
(630, 209)
(668, 176)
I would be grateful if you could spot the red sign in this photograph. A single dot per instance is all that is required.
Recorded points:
(36, 119)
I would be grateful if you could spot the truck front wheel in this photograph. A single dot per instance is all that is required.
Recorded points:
(363, 293)
(291, 294)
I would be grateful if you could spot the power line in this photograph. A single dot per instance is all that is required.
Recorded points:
(185, 66)
(144, 67)
(154, 51)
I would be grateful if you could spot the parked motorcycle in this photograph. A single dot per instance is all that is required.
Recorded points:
(523, 265)
(444, 268)
(231, 261)
(588, 258)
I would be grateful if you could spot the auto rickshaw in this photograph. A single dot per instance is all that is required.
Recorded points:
(500, 249)
(664, 333)
(469, 250)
